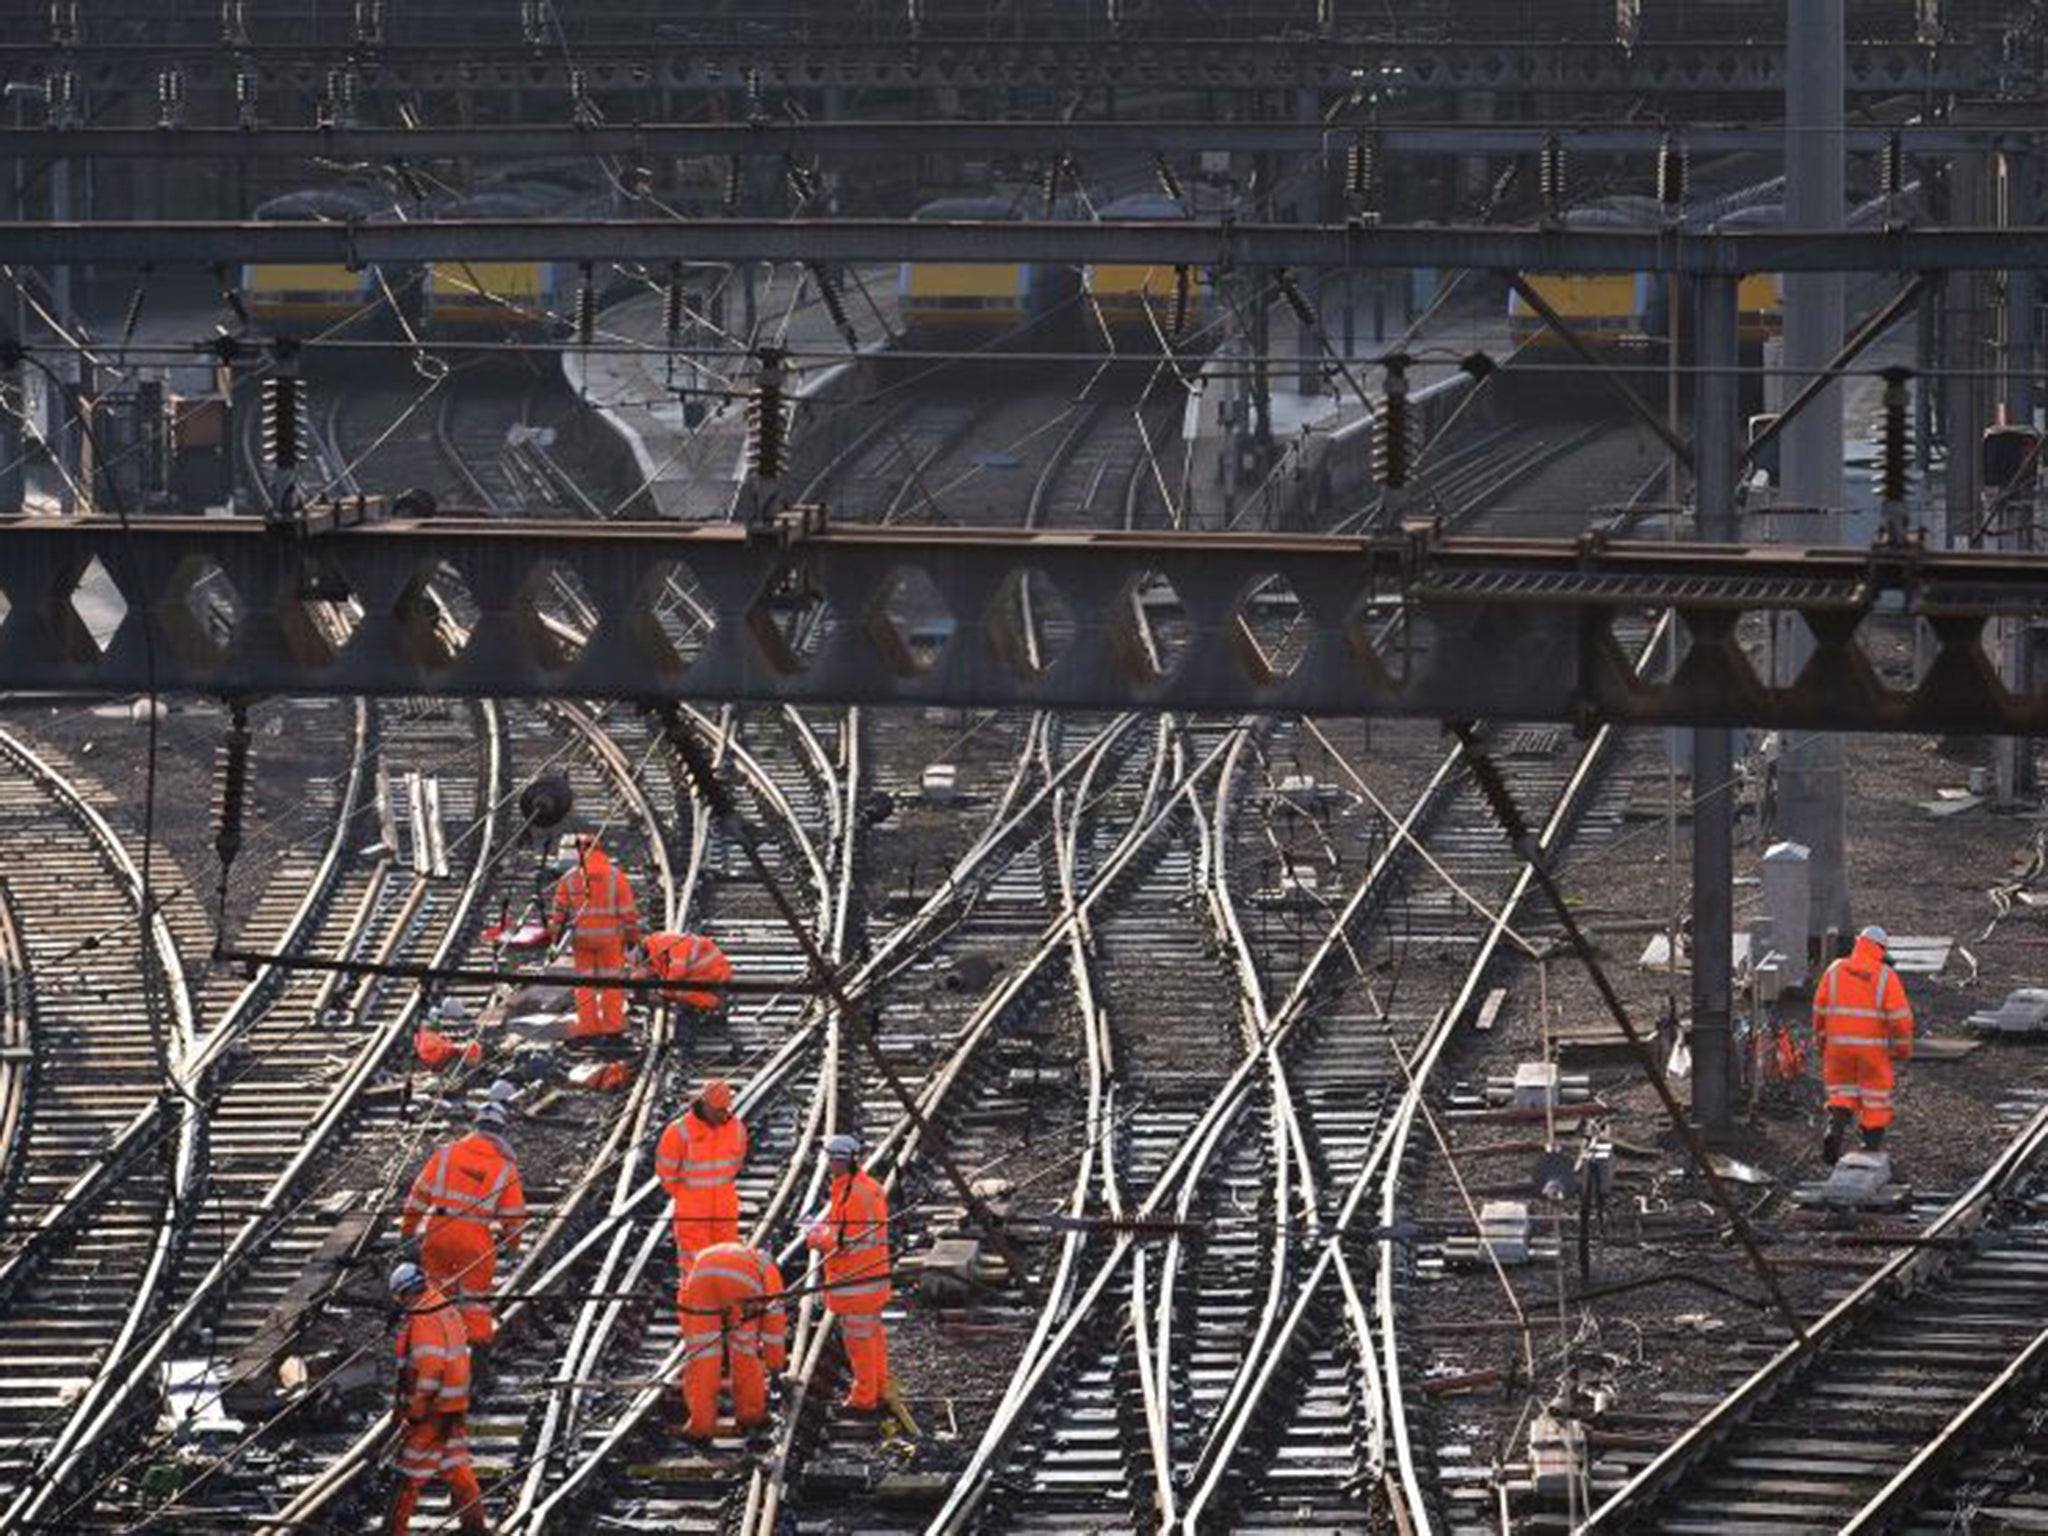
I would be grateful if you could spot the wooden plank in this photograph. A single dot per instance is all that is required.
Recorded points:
(253, 1390)
(1489, 1011)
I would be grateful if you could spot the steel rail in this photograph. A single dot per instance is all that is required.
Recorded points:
(627, 1261)
(540, 1272)
(17, 1046)
(1906, 1271)
(1898, 1498)
(184, 1171)
(1386, 1152)
(872, 973)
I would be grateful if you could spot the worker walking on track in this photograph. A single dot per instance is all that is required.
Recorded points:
(698, 1162)
(431, 1405)
(594, 905)
(686, 959)
(470, 1202)
(730, 1309)
(1864, 1024)
(853, 1235)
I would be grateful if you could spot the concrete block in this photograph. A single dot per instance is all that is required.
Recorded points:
(946, 1277)
(2024, 1012)
(940, 784)
(1860, 1181)
(1536, 1085)
(1505, 1228)
(1557, 1456)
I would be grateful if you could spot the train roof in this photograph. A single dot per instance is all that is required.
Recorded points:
(329, 203)
(968, 208)
(1145, 205)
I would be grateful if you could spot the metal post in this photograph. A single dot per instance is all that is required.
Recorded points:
(2014, 757)
(1811, 805)
(1308, 352)
(13, 480)
(1717, 444)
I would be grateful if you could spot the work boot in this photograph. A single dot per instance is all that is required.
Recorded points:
(1831, 1143)
(1873, 1138)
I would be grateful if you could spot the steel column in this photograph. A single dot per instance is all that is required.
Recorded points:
(1717, 443)
(1811, 809)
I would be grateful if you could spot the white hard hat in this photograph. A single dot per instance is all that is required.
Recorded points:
(407, 1278)
(843, 1146)
(1876, 935)
(504, 1091)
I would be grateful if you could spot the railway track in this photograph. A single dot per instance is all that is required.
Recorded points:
(1910, 1406)
(1112, 866)
(91, 1241)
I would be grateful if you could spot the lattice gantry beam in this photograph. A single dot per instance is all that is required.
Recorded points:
(1392, 624)
(1157, 63)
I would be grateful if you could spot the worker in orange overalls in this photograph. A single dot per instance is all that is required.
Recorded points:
(594, 905)
(1863, 1023)
(431, 1405)
(730, 1306)
(698, 1162)
(469, 1197)
(684, 958)
(853, 1235)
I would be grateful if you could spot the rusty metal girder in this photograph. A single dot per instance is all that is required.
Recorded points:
(1396, 624)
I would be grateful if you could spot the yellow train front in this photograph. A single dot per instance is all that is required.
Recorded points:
(494, 297)
(324, 299)
(1141, 303)
(945, 301)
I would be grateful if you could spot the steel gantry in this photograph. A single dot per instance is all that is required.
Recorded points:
(660, 63)
(1190, 242)
(1403, 623)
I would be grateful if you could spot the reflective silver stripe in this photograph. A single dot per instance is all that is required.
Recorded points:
(436, 1351)
(1845, 1011)
(1835, 1039)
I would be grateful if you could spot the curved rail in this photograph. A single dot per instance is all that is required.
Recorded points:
(83, 1410)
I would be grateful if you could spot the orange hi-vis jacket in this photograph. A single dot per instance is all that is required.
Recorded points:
(698, 1164)
(474, 1181)
(687, 957)
(433, 1359)
(738, 1289)
(1864, 1023)
(595, 900)
(854, 1237)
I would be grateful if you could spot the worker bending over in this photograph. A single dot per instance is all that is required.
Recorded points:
(698, 1162)
(431, 1404)
(691, 962)
(594, 906)
(1863, 1023)
(470, 1202)
(730, 1308)
(853, 1235)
